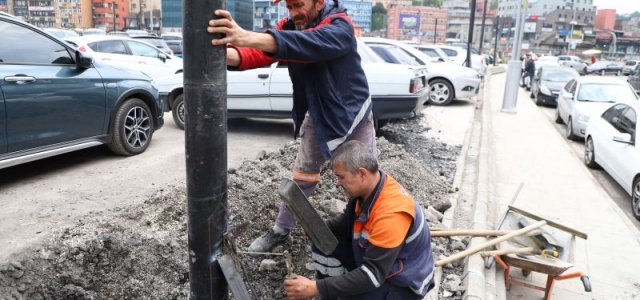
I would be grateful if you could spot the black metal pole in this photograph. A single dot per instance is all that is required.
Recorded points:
(435, 32)
(205, 103)
(114, 15)
(495, 46)
(484, 18)
(470, 38)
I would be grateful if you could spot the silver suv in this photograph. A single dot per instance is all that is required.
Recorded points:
(630, 66)
(573, 62)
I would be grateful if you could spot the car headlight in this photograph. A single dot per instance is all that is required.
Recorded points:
(583, 118)
(471, 75)
(545, 90)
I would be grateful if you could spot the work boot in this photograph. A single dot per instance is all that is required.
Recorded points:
(267, 241)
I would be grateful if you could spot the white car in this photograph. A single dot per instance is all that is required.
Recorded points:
(547, 60)
(447, 81)
(434, 52)
(459, 55)
(612, 143)
(587, 97)
(397, 91)
(127, 53)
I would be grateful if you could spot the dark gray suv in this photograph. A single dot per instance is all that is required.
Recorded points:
(54, 99)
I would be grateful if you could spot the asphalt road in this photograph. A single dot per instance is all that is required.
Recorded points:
(619, 196)
(48, 194)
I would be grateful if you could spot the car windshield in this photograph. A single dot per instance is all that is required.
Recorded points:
(548, 59)
(557, 76)
(367, 55)
(428, 51)
(630, 63)
(94, 32)
(605, 92)
(400, 55)
(175, 47)
(62, 33)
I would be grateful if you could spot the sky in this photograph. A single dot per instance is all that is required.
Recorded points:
(621, 6)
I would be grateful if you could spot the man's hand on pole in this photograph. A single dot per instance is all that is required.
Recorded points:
(231, 31)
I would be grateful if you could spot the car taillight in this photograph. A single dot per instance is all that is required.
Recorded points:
(82, 49)
(415, 85)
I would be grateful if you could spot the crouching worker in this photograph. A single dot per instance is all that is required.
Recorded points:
(384, 249)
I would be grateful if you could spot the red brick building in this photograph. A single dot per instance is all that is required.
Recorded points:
(420, 24)
(606, 19)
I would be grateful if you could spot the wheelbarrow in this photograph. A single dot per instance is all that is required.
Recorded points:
(548, 250)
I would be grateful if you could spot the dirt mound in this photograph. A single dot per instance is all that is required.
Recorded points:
(140, 251)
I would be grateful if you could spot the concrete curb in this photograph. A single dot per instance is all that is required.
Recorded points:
(479, 282)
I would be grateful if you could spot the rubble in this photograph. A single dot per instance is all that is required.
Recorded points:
(140, 251)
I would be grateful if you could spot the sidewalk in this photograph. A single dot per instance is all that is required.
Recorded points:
(525, 147)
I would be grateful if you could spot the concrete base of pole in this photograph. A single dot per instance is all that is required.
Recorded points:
(514, 71)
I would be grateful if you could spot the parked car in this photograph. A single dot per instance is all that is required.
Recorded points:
(94, 31)
(171, 36)
(119, 33)
(397, 91)
(176, 47)
(128, 53)
(549, 81)
(154, 40)
(56, 99)
(459, 55)
(589, 96)
(630, 66)
(61, 33)
(136, 32)
(547, 60)
(612, 143)
(434, 52)
(573, 62)
(634, 79)
(604, 67)
(447, 81)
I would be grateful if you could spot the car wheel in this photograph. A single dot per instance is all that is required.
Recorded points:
(618, 73)
(558, 118)
(602, 73)
(177, 110)
(635, 198)
(569, 133)
(441, 92)
(132, 128)
(538, 99)
(590, 154)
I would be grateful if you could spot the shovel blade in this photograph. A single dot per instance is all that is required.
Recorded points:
(298, 204)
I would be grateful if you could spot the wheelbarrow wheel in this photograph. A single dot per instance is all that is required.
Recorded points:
(586, 283)
(526, 273)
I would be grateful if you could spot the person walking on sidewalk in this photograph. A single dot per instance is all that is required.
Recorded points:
(384, 245)
(331, 101)
(529, 71)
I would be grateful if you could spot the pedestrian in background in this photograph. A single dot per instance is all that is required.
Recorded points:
(331, 101)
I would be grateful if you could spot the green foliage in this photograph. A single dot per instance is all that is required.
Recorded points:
(427, 3)
(494, 4)
(378, 17)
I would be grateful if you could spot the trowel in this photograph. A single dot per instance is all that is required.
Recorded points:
(313, 225)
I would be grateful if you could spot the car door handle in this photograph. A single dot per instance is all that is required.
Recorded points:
(263, 76)
(20, 78)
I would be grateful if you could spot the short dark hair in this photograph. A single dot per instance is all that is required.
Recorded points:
(354, 155)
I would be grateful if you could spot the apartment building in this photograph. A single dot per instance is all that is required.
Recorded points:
(420, 24)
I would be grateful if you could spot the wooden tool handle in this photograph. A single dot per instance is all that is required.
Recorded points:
(464, 232)
(489, 243)
(507, 251)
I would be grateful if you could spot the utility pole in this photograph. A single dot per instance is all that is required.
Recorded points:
(114, 15)
(514, 68)
(573, 22)
(435, 32)
(495, 45)
(472, 20)
(484, 18)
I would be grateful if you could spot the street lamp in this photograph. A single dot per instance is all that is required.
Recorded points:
(571, 37)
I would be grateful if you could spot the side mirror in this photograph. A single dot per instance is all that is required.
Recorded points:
(625, 138)
(441, 59)
(567, 95)
(162, 57)
(83, 60)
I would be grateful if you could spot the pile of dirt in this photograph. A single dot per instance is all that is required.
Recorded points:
(140, 251)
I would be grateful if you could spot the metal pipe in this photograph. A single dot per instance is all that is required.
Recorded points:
(205, 95)
(435, 32)
(472, 20)
(495, 45)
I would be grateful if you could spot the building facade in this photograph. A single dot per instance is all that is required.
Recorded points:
(266, 14)
(68, 13)
(172, 15)
(606, 19)
(360, 13)
(169, 18)
(110, 14)
(419, 24)
(540, 8)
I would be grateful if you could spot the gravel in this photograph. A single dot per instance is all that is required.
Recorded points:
(140, 251)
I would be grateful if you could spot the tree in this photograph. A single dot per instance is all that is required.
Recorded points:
(427, 3)
(378, 17)
(494, 4)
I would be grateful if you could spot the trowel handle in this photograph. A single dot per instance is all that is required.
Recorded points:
(489, 263)
(586, 283)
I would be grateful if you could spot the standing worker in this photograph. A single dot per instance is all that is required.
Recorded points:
(384, 245)
(331, 101)
(529, 71)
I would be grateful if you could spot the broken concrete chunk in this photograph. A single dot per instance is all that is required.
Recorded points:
(451, 282)
(267, 265)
